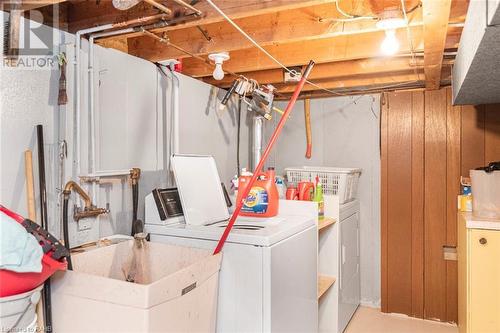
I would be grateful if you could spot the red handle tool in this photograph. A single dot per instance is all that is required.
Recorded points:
(260, 166)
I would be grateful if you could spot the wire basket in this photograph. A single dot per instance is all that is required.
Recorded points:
(335, 181)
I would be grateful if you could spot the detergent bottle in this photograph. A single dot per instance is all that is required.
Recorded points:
(263, 198)
(318, 197)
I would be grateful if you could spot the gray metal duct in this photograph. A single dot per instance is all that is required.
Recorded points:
(476, 74)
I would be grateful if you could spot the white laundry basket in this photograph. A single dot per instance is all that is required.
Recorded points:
(335, 181)
(18, 312)
(180, 295)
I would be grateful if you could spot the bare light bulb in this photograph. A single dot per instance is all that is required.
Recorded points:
(390, 45)
(218, 59)
(218, 73)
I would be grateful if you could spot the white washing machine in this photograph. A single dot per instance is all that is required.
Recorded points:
(268, 278)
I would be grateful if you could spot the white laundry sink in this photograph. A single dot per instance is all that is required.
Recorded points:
(176, 292)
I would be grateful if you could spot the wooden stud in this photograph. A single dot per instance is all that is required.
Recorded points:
(436, 16)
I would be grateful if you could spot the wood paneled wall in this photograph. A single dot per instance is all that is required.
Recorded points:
(426, 144)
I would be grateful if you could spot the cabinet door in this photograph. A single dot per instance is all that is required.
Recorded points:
(484, 313)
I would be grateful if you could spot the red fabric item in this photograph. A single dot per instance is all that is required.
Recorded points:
(13, 283)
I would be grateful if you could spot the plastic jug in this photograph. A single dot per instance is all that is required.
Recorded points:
(263, 199)
(306, 191)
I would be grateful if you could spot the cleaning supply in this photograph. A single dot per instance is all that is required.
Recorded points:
(306, 191)
(318, 197)
(292, 193)
(280, 184)
(263, 198)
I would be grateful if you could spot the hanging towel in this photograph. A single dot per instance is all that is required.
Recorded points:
(19, 250)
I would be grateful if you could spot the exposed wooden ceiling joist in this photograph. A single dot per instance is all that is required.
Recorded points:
(339, 48)
(436, 15)
(330, 70)
(274, 28)
(365, 84)
(27, 4)
(86, 14)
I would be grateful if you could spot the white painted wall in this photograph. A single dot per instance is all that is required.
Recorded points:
(132, 97)
(28, 97)
(345, 134)
(133, 122)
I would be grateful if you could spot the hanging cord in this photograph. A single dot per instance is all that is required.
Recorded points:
(352, 17)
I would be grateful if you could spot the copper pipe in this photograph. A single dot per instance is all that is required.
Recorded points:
(70, 186)
(135, 174)
(159, 6)
(140, 20)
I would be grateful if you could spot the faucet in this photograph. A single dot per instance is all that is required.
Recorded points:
(89, 210)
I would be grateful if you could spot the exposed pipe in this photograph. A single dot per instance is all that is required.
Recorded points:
(88, 211)
(258, 125)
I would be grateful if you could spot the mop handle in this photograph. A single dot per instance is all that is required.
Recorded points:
(259, 167)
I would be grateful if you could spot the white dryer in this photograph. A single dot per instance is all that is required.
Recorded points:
(268, 278)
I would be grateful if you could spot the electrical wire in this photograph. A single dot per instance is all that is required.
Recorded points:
(351, 17)
(293, 72)
(409, 36)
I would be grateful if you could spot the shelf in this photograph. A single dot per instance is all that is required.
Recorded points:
(324, 283)
(326, 222)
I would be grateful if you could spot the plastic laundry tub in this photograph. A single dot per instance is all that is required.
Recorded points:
(18, 312)
(180, 294)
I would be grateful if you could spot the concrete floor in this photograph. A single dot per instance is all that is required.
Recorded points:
(372, 320)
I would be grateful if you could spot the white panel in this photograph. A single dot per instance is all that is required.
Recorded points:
(127, 111)
(293, 285)
(200, 189)
(349, 288)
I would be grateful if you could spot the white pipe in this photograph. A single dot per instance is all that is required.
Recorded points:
(258, 123)
(109, 173)
(77, 125)
(175, 110)
(91, 102)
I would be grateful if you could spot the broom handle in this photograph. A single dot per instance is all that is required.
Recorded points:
(30, 200)
(30, 191)
(259, 167)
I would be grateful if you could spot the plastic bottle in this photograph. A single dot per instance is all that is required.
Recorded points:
(263, 199)
(318, 197)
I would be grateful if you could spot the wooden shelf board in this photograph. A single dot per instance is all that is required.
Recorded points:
(324, 283)
(326, 222)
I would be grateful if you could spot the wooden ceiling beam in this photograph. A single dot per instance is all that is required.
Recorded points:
(331, 70)
(364, 83)
(436, 14)
(339, 48)
(27, 4)
(274, 28)
(86, 14)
